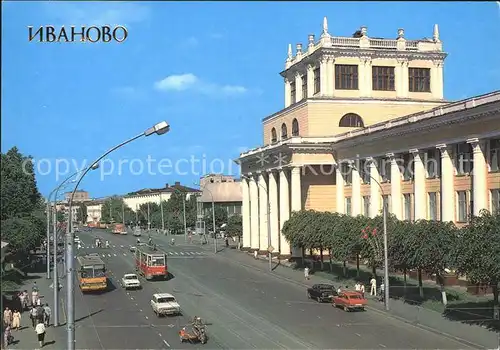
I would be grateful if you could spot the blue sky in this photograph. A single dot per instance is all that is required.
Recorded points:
(74, 101)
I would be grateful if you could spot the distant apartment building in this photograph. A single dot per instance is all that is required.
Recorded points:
(155, 195)
(94, 210)
(223, 190)
(80, 196)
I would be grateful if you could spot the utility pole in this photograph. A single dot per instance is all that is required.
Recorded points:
(213, 223)
(184, 214)
(123, 213)
(162, 216)
(110, 216)
(55, 280)
(47, 245)
(149, 221)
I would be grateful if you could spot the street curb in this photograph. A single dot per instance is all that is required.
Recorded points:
(401, 319)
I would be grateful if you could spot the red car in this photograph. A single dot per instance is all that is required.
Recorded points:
(349, 301)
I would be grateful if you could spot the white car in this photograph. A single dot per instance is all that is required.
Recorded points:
(130, 280)
(77, 240)
(165, 304)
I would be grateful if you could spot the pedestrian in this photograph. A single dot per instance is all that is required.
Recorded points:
(22, 300)
(227, 241)
(7, 337)
(7, 317)
(33, 316)
(34, 297)
(255, 254)
(35, 287)
(357, 287)
(40, 331)
(16, 320)
(47, 312)
(306, 273)
(373, 288)
(362, 290)
(382, 291)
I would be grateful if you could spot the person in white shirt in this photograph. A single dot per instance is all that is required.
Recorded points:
(362, 290)
(357, 287)
(40, 331)
(373, 284)
(306, 273)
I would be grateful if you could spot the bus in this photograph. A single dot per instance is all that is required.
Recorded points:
(92, 273)
(150, 263)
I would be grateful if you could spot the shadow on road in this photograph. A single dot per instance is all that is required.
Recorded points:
(479, 314)
(170, 276)
(89, 315)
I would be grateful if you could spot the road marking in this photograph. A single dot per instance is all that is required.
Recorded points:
(167, 344)
(147, 318)
(182, 253)
(176, 253)
(109, 255)
(132, 298)
(139, 309)
(120, 246)
(359, 335)
(382, 345)
(124, 254)
(199, 253)
(114, 254)
(159, 334)
(170, 253)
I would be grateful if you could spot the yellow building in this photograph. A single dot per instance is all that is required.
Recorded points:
(365, 123)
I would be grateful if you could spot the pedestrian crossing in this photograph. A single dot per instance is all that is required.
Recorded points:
(173, 254)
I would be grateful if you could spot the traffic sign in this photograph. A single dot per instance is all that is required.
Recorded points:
(270, 249)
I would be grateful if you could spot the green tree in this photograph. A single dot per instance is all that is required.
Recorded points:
(220, 218)
(112, 211)
(81, 213)
(60, 216)
(235, 226)
(477, 251)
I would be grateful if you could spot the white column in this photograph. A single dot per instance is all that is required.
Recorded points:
(284, 203)
(273, 201)
(263, 211)
(374, 188)
(330, 81)
(356, 193)
(365, 77)
(245, 211)
(447, 184)
(437, 79)
(310, 80)
(479, 195)
(323, 70)
(395, 188)
(419, 188)
(288, 91)
(296, 189)
(254, 214)
(298, 87)
(401, 76)
(339, 186)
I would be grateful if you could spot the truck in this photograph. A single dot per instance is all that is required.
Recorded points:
(119, 229)
(150, 263)
(91, 273)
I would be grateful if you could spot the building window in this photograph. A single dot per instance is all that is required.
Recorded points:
(304, 86)
(346, 77)
(383, 78)
(351, 120)
(408, 165)
(385, 169)
(386, 202)
(293, 93)
(364, 171)
(348, 209)
(433, 163)
(295, 127)
(346, 171)
(419, 79)
(495, 201)
(464, 160)
(237, 209)
(317, 80)
(494, 155)
(462, 208)
(433, 207)
(366, 205)
(284, 131)
(274, 136)
(407, 206)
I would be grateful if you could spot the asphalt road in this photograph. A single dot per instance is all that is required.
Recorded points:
(243, 308)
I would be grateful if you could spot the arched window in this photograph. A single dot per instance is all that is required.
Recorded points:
(284, 131)
(351, 120)
(274, 136)
(295, 127)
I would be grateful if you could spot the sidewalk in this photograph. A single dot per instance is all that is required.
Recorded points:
(430, 320)
(26, 337)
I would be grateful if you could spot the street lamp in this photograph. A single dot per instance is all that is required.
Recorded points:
(269, 254)
(159, 129)
(386, 249)
(213, 214)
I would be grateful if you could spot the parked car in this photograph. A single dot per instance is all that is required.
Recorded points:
(130, 280)
(132, 248)
(322, 292)
(165, 304)
(349, 301)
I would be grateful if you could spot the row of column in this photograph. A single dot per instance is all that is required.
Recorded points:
(268, 199)
(448, 197)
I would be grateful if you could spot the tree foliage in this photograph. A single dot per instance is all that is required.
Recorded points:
(23, 219)
(221, 218)
(113, 210)
(235, 226)
(81, 213)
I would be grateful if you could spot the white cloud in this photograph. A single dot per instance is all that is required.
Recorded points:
(189, 81)
(97, 13)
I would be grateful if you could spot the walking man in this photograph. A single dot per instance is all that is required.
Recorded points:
(47, 312)
(306, 273)
(373, 288)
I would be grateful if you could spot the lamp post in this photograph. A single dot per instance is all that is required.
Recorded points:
(213, 215)
(269, 254)
(386, 249)
(159, 129)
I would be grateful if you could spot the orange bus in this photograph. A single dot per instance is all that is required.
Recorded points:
(92, 273)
